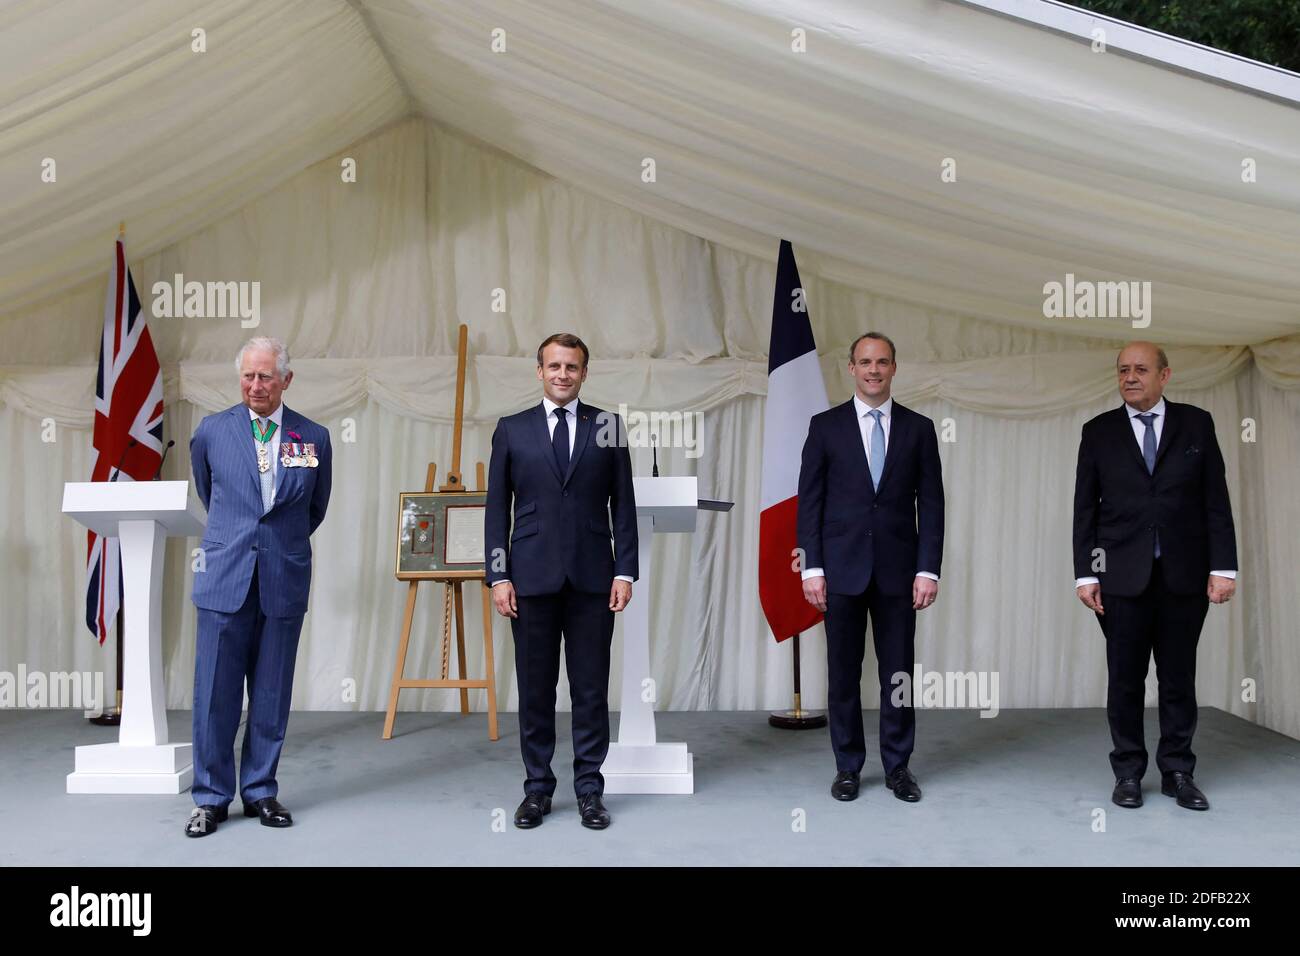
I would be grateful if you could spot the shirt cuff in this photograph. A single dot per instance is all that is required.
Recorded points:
(623, 577)
(1080, 582)
(1230, 575)
(812, 573)
(500, 581)
(927, 574)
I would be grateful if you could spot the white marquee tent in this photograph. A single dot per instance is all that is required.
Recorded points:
(504, 145)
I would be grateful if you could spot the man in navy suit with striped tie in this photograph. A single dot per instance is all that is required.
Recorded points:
(871, 528)
(566, 467)
(263, 473)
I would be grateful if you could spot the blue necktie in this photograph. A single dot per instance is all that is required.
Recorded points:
(877, 456)
(560, 441)
(1149, 452)
(1149, 441)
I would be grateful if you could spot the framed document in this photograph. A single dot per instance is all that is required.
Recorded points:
(440, 535)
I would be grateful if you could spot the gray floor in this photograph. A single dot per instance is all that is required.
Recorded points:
(1018, 789)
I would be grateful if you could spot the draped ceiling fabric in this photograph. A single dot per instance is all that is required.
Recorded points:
(505, 190)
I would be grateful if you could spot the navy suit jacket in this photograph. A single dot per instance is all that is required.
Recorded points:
(238, 536)
(562, 523)
(1120, 507)
(855, 532)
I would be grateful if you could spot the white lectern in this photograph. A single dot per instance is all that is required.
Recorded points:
(141, 515)
(638, 763)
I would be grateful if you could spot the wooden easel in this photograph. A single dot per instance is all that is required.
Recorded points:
(452, 598)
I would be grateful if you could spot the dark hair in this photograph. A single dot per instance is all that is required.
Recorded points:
(878, 336)
(569, 341)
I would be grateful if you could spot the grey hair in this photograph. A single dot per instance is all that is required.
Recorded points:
(268, 344)
(1162, 360)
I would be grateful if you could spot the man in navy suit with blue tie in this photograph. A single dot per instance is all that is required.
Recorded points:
(263, 474)
(565, 467)
(870, 525)
(1154, 546)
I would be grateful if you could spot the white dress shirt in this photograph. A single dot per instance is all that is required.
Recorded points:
(272, 446)
(865, 425)
(1139, 433)
(571, 412)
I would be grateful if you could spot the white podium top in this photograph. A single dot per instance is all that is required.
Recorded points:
(672, 502)
(101, 505)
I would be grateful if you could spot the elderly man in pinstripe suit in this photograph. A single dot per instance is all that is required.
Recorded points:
(263, 473)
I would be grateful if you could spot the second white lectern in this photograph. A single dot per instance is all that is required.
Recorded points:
(638, 762)
(141, 515)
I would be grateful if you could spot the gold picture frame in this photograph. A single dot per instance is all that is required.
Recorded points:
(431, 522)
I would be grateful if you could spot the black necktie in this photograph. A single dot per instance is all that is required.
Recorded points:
(560, 441)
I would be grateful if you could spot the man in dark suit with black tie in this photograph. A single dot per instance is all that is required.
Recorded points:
(1153, 546)
(566, 466)
(870, 526)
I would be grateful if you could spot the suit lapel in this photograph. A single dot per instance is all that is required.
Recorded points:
(542, 434)
(1173, 419)
(1124, 435)
(853, 439)
(580, 440)
(243, 431)
(289, 421)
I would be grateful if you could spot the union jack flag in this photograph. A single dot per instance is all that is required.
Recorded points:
(128, 429)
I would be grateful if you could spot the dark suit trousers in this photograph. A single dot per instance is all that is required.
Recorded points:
(893, 629)
(587, 626)
(231, 649)
(1170, 626)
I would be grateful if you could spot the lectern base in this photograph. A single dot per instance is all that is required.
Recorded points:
(117, 768)
(656, 768)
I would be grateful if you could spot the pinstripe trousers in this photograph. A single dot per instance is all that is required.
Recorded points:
(246, 646)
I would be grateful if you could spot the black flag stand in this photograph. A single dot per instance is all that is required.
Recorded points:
(113, 717)
(797, 718)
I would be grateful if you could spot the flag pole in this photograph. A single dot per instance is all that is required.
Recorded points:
(797, 718)
(113, 717)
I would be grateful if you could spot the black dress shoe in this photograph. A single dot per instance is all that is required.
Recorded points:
(1127, 793)
(531, 811)
(594, 814)
(204, 820)
(845, 785)
(271, 812)
(904, 785)
(1180, 785)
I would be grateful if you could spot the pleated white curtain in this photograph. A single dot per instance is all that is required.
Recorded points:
(368, 286)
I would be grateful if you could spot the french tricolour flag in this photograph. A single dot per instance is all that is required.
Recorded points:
(795, 393)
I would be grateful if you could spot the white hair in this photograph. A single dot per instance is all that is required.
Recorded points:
(264, 343)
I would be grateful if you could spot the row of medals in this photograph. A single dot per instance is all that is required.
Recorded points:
(264, 459)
